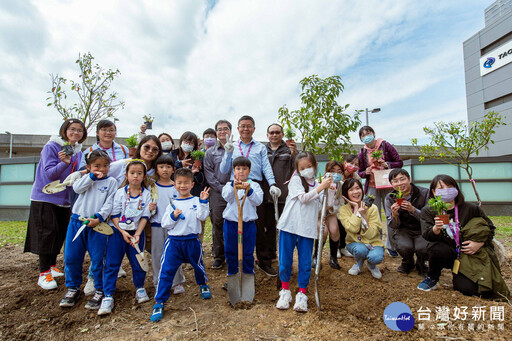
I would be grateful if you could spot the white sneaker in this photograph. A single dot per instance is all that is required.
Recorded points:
(47, 282)
(121, 272)
(301, 303)
(141, 295)
(338, 254)
(354, 270)
(285, 298)
(107, 304)
(346, 253)
(179, 289)
(374, 271)
(89, 288)
(56, 272)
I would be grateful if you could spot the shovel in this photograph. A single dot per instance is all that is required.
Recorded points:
(320, 243)
(276, 216)
(54, 187)
(154, 196)
(104, 228)
(240, 285)
(140, 257)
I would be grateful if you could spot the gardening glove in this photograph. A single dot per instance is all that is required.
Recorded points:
(72, 178)
(229, 147)
(275, 191)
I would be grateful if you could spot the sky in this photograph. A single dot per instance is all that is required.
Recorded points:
(190, 63)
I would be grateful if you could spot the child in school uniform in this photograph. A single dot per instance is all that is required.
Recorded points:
(130, 213)
(298, 227)
(166, 193)
(95, 196)
(182, 219)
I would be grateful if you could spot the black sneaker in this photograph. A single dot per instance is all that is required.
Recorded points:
(392, 253)
(70, 298)
(95, 302)
(268, 270)
(217, 264)
(333, 262)
(403, 269)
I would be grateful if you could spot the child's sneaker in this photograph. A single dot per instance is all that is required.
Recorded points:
(301, 303)
(285, 298)
(158, 312)
(141, 295)
(374, 270)
(345, 252)
(354, 270)
(121, 272)
(427, 284)
(89, 288)
(205, 292)
(107, 304)
(95, 302)
(46, 281)
(70, 298)
(179, 289)
(56, 272)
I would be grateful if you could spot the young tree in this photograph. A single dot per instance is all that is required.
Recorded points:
(94, 100)
(323, 124)
(458, 144)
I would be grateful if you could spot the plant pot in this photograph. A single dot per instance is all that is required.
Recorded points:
(149, 125)
(289, 142)
(131, 152)
(197, 163)
(399, 201)
(67, 149)
(445, 218)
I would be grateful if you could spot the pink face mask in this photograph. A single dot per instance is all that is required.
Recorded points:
(351, 168)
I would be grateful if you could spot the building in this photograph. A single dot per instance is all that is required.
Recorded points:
(488, 73)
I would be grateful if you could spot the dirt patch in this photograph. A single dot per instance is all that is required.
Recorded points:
(352, 308)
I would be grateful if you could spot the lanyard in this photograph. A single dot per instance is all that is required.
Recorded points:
(248, 152)
(106, 149)
(139, 206)
(455, 228)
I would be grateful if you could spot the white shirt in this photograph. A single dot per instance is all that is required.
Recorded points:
(95, 196)
(194, 210)
(300, 213)
(254, 199)
(130, 221)
(165, 193)
(117, 170)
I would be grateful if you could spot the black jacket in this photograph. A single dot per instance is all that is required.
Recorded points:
(283, 164)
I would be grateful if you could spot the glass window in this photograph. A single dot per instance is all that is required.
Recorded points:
(498, 170)
(488, 191)
(428, 172)
(19, 172)
(15, 195)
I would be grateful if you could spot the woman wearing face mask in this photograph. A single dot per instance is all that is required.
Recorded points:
(367, 167)
(464, 245)
(188, 143)
(167, 143)
(209, 139)
(350, 168)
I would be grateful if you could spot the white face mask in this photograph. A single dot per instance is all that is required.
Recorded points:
(308, 173)
(186, 147)
(167, 145)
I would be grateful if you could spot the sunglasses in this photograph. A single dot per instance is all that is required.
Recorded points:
(148, 148)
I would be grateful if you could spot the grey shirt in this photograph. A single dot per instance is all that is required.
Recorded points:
(211, 165)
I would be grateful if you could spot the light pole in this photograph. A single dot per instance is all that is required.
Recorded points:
(372, 111)
(10, 144)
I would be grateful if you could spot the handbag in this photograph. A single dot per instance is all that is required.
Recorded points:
(382, 179)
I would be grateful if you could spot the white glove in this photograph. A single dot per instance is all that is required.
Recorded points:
(275, 191)
(72, 178)
(229, 147)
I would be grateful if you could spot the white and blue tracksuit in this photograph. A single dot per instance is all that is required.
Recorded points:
(117, 247)
(183, 244)
(95, 197)
(159, 234)
(230, 215)
(298, 227)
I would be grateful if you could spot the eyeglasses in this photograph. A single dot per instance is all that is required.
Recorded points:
(401, 179)
(275, 132)
(74, 130)
(147, 148)
(222, 129)
(108, 131)
(246, 127)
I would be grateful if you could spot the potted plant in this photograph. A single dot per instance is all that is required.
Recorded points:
(376, 155)
(148, 121)
(67, 148)
(440, 207)
(399, 197)
(289, 134)
(132, 145)
(197, 155)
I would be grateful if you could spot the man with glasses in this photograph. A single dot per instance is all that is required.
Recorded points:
(217, 180)
(256, 152)
(404, 219)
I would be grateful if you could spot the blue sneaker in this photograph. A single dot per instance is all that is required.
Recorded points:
(427, 284)
(158, 312)
(205, 292)
(392, 253)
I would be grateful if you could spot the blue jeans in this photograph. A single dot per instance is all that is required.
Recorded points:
(287, 243)
(361, 252)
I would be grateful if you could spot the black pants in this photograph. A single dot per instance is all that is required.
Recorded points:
(442, 255)
(266, 233)
(46, 262)
(343, 235)
(410, 242)
(217, 206)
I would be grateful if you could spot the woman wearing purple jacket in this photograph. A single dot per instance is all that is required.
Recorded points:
(367, 167)
(49, 213)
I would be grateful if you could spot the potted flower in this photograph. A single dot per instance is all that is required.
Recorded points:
(289, 134)
(132, 145)
(399, 197)
(376, 155)
(67, 148)
(148, 121)
(197, 155)
(440, 207)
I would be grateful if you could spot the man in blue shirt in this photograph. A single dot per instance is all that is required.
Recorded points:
(256, 152)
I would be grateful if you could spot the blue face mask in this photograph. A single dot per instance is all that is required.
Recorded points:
(368, 139)
(336, 177)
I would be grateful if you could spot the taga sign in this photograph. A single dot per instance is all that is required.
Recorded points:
(496, 58)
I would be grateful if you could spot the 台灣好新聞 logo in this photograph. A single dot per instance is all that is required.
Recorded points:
(488, 63)
(398, 316)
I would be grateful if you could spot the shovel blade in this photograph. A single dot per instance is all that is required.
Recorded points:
(53, 187)
(240, 288)
(142, 261)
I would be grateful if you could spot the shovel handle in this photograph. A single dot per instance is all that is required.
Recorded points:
(240, 223)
